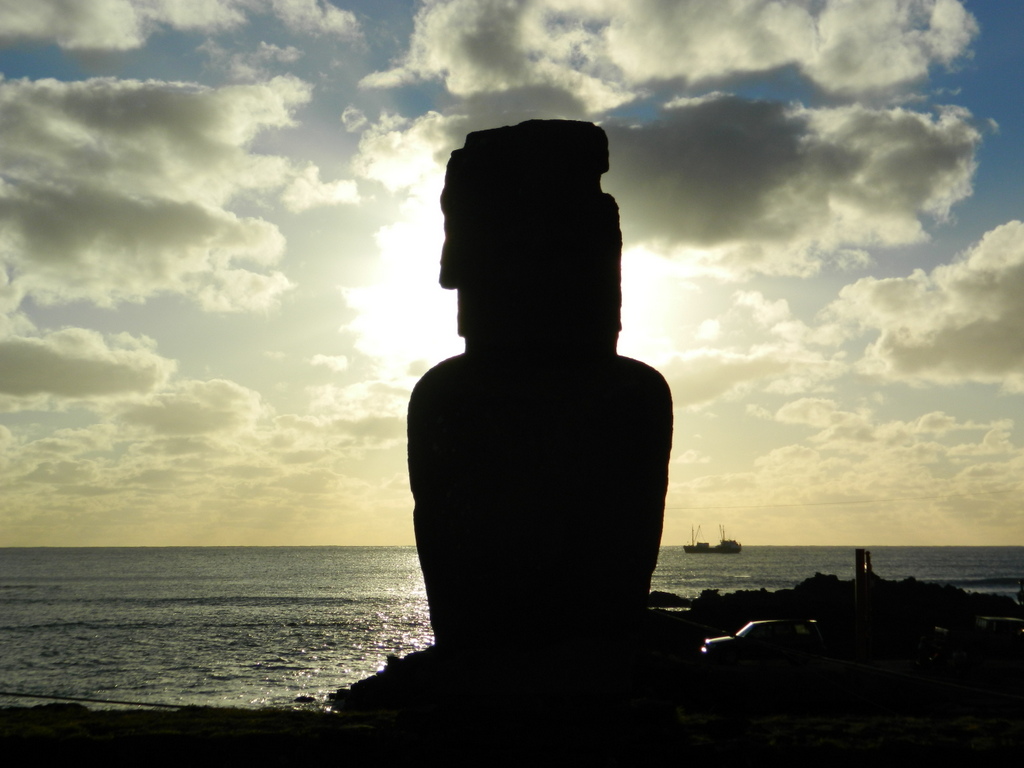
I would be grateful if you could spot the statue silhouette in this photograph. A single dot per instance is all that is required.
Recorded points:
(538, 459)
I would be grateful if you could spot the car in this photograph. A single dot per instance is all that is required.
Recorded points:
(991, 636)
(792, 639)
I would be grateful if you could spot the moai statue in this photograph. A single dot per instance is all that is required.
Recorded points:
(539, 458)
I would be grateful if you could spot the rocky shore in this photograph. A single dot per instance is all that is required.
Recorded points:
(901, 612)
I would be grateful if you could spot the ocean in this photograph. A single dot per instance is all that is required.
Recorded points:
(261, 626)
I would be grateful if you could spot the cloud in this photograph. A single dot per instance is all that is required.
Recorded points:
(335, 363)
(410, 155)
(250, 66)
(877, 44)
(605, 52)
(494, 46)
(121, 25)
(307, 191)
(835, 425)
(700, 377)
(205, 450)
(859, 472)
(68, 444)
(964, 321)
(354, 119)
(212, 439)
(996, 442)
(110, 24)
(370, 414)
(696, 41)
(753, 186)
(116, 190)
(758, 346)
(358, 402)
(241, 290)
(197, 408)
(736, 186)
(373, 431)
(76, 365)
(315, 17)
(402, 154)
(859, 432)
(840, 45)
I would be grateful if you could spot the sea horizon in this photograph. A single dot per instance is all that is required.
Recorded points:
(413, 546)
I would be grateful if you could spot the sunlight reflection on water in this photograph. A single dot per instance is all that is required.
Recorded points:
(222, 626)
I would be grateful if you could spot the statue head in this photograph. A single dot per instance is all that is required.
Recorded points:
(532, 244)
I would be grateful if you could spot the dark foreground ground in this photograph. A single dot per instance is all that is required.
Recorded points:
(821, 713)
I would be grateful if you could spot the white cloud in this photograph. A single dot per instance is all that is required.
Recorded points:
(115, 190)
(841, 45)
(767, 313)
(357, 402)
(700, 377)
(495, 46)
(935, 422)
(690, 456)
(111, 24)
(208, 452)
(604, 52)
(650, 40)
(10, 299)
(402, 154)
(196, 408)
(912, 477)
(837, 426)
(814, 411)
(860, 432)
(250, 66)
(315, 17)
(873, 44)
(758, 346)
(747, 186)
(307, 191)
(708, 330)
(71, 443)
(353, 119)
(330, 435)
(75, 365)
(336, 363)
(996, 442)
(962, 322)
(126, 24)
(241, 290)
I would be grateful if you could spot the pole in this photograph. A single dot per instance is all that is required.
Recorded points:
(862, 598)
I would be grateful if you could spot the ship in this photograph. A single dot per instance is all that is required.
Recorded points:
(724, 547)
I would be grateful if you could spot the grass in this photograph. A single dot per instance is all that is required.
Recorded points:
(646, 733)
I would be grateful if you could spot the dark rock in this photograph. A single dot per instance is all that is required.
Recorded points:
(659, 599)
(404, 682)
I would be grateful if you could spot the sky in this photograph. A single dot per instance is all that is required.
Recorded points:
(220, 234)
